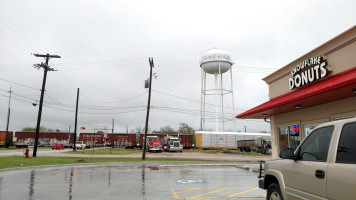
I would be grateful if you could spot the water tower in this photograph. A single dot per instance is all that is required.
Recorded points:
(216, 62)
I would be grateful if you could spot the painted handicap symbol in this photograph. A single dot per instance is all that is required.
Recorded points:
(198, 181)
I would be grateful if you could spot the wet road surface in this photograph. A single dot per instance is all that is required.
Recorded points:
(131, 181)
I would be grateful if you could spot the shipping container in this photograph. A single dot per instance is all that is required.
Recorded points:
(121, 140)
(92, 139)
(223, 140)
(6, 138)
(27, 138)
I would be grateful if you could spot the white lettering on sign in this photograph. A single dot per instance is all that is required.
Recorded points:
(216, 56)
(308, 71)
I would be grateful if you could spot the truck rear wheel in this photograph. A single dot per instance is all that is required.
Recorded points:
(274, 192)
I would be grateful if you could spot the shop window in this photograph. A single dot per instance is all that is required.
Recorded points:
(309, 127)
(346, 152)
(289, 136)
(316, 146)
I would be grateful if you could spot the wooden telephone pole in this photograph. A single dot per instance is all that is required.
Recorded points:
(76, 121)
(46, 68)
(148, 110)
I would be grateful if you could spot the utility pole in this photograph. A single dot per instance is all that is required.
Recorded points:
(148, 109)
(112, 136)
(8, 113)
(69, 139)
(46, 68)
(75, 123)
(112, 130)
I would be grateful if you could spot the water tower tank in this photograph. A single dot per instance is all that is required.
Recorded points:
(213, 58)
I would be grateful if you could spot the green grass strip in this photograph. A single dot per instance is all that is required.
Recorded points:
(20, 161)
(99, 151)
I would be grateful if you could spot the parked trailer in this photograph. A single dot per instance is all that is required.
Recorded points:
(263, 146)
(27, 138)
(121, 140)
(245, 145)
(185, 140)
(5, 139)
(223, 140)
(259, 145)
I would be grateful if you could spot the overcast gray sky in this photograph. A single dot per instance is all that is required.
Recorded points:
(105, 45)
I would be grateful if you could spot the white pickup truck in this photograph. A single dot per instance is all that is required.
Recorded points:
(80, 145)
(322, 167)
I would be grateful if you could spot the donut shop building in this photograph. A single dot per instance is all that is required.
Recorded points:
(318, 87)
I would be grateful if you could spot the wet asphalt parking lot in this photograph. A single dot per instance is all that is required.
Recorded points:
(139, 180)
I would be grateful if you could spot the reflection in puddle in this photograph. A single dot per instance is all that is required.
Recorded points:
(32, 184)
(143, 188)
(153, 167)
(0, 185)
(109, 176)
(71, 183)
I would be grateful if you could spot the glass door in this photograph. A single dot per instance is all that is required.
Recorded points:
(289, 136)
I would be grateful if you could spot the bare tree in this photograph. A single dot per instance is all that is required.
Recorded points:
(167, 130)
(185, 129)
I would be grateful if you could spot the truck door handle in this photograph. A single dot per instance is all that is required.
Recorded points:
(320, 174)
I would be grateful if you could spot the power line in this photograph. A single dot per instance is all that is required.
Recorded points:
(189, 110)
(85, 107)
(22, 34)
(19, 84)
(16, 98)
(105, 66)
(193, 100)
(114, 101)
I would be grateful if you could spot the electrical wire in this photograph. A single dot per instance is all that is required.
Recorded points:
(85, 107)
(19, 84)
(113, 101)
(209, 115)
(22, 34)
(193, 100)
(189, 110)
(16, 98)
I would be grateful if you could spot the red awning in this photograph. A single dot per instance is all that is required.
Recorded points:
(333, 88)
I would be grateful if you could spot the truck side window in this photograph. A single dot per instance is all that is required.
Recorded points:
(346, 151)
(316, 145)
